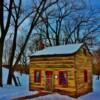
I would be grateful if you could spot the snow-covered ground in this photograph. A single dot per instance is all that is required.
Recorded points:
(95, 95)
(11, 92)
(54, 96)
(23, 77)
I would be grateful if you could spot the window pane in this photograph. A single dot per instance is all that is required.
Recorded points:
(62, 77)
(37, 76)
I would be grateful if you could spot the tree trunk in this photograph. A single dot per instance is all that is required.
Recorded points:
(11, 58)
(57, 40)
(11, 76)
(1, 54)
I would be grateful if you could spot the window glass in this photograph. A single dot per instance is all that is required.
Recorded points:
(37, 76)
(62, 78)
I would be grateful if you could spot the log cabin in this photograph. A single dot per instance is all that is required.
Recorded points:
(66, 69)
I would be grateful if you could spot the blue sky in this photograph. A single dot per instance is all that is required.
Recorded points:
(96, 3)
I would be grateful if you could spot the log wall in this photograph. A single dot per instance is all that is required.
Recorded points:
(54, 64)
(83, 62)
(74, 65)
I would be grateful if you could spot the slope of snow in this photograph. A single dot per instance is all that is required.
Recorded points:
(54, 96)
(11, 92)
(5, 75)
(90, 96)
(96, 84)
(62, 49)
(95, 95)
(8, 92)
(22, 77)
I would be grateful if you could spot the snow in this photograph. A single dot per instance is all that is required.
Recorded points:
(95, 95)
(62, 49)
(54, 96)
(11, 92)
(22, 77)
(96, 84)
(90, 96)
(8, 92)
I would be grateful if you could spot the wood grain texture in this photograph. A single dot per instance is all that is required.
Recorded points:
(74, 65)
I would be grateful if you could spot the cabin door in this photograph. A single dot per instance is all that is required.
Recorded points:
(49, 81)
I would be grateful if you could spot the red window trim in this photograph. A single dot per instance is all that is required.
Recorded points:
(35, 76)
(49, 74)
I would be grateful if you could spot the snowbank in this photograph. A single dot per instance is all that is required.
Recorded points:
(11, 92)
(96, 84)
(54, 96)
(22, 77)
(8, 92)
(95, 95)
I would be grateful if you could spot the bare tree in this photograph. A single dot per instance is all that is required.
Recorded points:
(58, 21)
(4, 30)
(14, 19)
(56, 28)
(38, 10)
(83, 28)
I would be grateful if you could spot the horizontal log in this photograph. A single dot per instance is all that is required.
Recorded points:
(52, 58)
(51, 65)
(36, 85)
(54, 61)
(66, 89)
(70, 71)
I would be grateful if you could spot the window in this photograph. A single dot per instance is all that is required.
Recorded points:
(85, 51)
(62, 77)
(37, 76)
(85, 76)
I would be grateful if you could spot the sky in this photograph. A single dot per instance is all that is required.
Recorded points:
(96, 3)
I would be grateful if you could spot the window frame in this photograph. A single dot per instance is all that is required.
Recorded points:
(61, 83)
(35, 78)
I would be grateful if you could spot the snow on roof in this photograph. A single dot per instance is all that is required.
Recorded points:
(57, 50)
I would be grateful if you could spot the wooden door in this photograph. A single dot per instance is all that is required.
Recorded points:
(49, 80)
